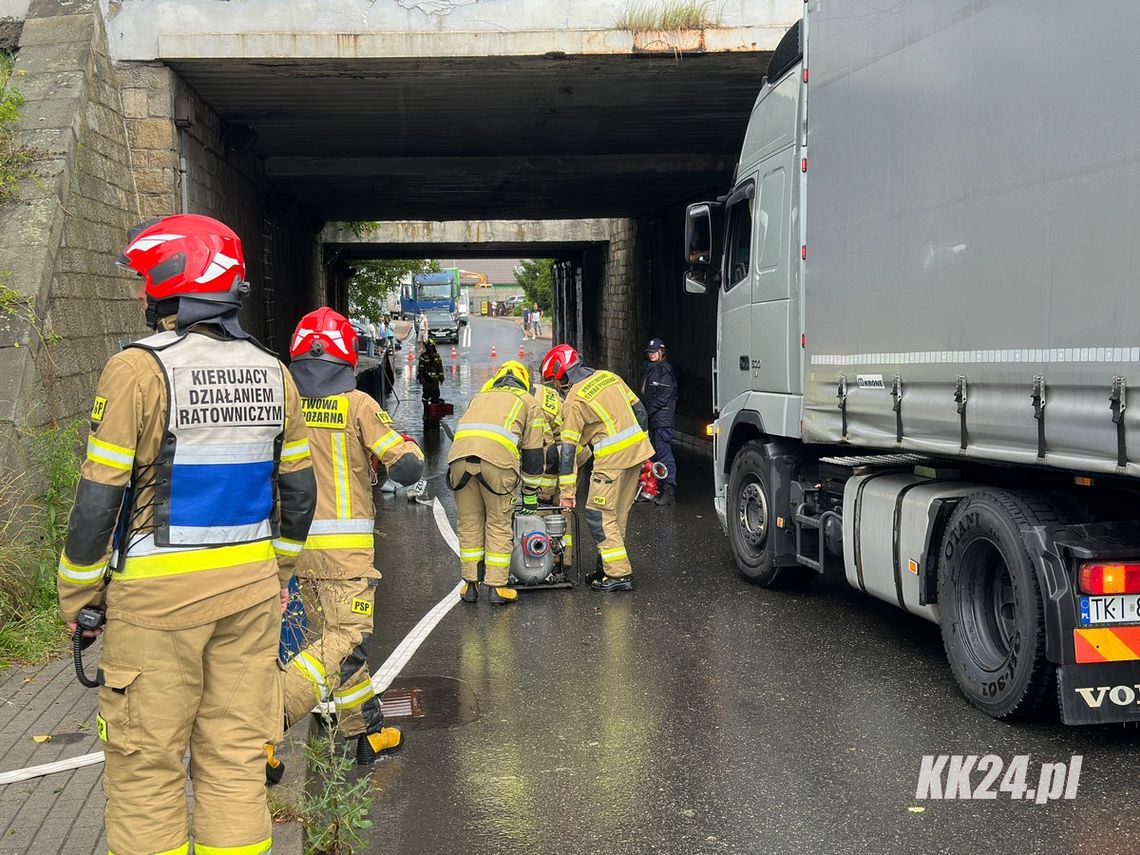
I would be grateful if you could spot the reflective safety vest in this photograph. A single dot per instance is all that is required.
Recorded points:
(214, 476)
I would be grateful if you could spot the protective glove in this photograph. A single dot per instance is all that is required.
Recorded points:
(529, 505)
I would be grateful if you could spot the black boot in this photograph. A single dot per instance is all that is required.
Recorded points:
(469, 592)
(667, 497)
(609, 584)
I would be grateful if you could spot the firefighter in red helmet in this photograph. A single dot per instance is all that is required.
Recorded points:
(336, 571)
(602, 413)
(195, 498)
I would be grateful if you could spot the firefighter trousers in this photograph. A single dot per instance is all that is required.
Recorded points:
(333, 663)
(213, 688)
(486, 508)
(607, 512)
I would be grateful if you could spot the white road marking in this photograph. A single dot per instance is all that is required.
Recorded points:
(383, 678)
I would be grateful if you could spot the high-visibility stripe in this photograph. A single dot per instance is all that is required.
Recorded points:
(609, 555)
(548, 481)
(1118, 644)
(385, 442)
(263, 847)
(226, 452)
(354, 696)
(314, 672)
(81, 574)
(500, 435)
(115, 456)
(541, 423)
(287, 546)
(617, 445)
(606, 418)
(567, 480)
(174, 563)
(513, 413)
(184, 849)
(568, 539)
(571, 435)
(498, 559)
(615, 438)
(471, 555)
(356, 525)
(295, 450)
(532, 480)
(339, 541)
(340, 476)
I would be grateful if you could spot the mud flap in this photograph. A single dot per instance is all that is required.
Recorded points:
(1100, 693)
(782, 465)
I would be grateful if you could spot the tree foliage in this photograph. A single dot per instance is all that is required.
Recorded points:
(374, 279)
(533, 276)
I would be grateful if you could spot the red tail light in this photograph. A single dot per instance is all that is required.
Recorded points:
(1097, 578)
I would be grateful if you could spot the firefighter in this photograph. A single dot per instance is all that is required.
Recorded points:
(550, 407)
(198, 475)
(498, 444)
(429, 372)
(601, 412)
(336, 571)
(659, 392)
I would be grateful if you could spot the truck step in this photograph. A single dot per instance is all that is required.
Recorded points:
(877, 460)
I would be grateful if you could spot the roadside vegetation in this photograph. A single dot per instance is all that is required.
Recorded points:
(646, 15)
(34, 507)
(534, 277)
(15, 157)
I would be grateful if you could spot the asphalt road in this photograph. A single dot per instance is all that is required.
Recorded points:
(698, 713)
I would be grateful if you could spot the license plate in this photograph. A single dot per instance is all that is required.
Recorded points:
(1121, 608)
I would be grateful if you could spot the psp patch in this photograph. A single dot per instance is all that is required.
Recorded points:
(599, 500)
(101, 726)
(383, 417)
(361, 607)
(98, 410)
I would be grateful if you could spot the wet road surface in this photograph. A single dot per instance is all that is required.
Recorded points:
(696, 714)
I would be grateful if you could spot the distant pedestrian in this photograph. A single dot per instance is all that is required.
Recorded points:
(535, 321)
(659, 392)
(423, 329)
(526, 321)
(371, 327)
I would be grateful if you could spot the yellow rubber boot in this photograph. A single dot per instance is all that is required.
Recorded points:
(371, 745)
(502, 596)
(274, 768)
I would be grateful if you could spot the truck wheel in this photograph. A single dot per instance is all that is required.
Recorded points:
(989, 600)
(750, 515)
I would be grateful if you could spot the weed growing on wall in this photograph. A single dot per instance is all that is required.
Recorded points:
(15, 158)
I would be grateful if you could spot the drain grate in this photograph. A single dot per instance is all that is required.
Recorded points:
(402, 703)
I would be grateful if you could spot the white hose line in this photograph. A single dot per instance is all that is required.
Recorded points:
(383, 678)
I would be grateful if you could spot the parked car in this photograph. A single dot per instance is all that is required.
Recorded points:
(363, 336)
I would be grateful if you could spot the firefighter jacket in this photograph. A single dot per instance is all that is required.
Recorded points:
(659, 393)
(344, 431)
(197, 490)
(430, 368)
(601, 412)
(550, 416)
(503, 426)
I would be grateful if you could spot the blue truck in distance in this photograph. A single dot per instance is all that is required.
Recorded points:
(436, 292)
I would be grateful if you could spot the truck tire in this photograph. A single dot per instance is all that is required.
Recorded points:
(751, 516)
(989, 600)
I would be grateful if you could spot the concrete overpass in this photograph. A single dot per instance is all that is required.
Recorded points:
(281, 116)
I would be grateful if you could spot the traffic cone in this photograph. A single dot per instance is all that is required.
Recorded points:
(453, 356)
(522, 352)
(411, 356)
(493, 354)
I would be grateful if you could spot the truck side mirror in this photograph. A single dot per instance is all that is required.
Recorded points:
(701, 251)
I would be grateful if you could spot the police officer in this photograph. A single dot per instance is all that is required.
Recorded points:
(498, 445)
(602, 412)
(336, 571)
(198, 472)
(659, 392)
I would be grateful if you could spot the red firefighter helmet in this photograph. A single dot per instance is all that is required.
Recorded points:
(557, 360)
(324, 334)
(187, 255)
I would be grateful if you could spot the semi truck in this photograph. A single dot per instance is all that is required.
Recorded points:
(927, 270)
(426, 292)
